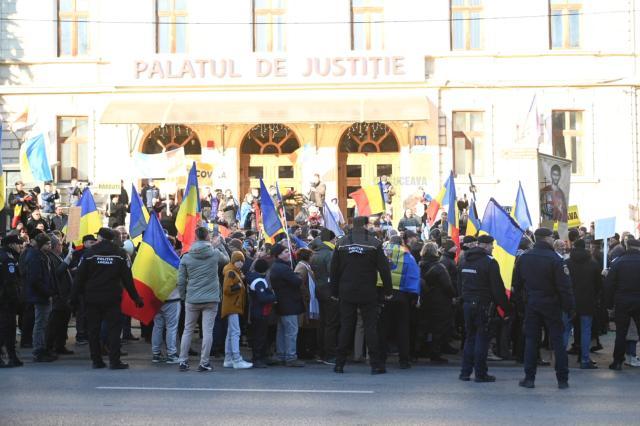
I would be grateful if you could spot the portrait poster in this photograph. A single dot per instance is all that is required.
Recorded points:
(554, 179)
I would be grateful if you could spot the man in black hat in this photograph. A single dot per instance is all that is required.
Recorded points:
(9, 297)
(623, 293)
(355, 264)
(543, 277)
(482, 292)
(103, 272)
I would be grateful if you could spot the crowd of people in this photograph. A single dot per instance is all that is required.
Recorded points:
(309, 295)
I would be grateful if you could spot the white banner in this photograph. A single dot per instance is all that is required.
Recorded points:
(162, 165)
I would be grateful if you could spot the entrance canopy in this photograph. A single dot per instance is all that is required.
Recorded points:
(268, 107)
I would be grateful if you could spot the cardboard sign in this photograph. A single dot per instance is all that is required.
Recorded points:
(73, 223)
(605, 228)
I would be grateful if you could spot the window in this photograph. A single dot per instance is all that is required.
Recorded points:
(268, 25)
(468, 143)
(366, 25)
(170, 137)
(171, 26)
(73, 34)
(465, 24)
(72, 148)
(269, 139)
(567, 138)
(368, 137)
(564, 23)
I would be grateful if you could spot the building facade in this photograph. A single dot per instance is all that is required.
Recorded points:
(349, 89)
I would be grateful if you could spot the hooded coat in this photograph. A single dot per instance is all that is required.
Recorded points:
(233, 289)
(198, 273)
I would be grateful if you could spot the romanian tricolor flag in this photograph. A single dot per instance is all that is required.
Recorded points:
(34, 165)
(189, 213)
(155, 273)
(507, 234)
(520, 211)
(90, 219)
(139, 217)
(271, 222)
(473, 223)
(441, 200)
(405, 272)
(369, 199)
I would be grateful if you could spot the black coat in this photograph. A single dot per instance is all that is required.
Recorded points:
(623, 280)
(355, 264)
(437, 291)
(117, 215)
(38, 276)
(586, 280)
(63, 281)
(480, 279)
(9, 279)
(288, 288)
(544, 278)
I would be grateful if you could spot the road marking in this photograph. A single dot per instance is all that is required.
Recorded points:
(143, 388)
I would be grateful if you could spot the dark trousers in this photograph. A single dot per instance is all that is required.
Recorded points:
(476, 344)
(8, 329)
(624, 314)
(110, 314)
(328, 329)
(26, 321)
(81, 321)
(57, 329)
(260, 334)
(395, 319)
(534, 319)
(348, 318)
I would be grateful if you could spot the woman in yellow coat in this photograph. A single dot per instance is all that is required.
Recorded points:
(233, 302)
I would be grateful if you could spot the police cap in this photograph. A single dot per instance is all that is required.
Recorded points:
(543, 232)
(485, 239)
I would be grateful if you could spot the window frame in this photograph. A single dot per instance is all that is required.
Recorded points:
(466, 10)
(467, 134)
(172, 14)
(60, 140)
(567, 134)
(368, 10)
(564, 9)
(74, 17)
(269, 12)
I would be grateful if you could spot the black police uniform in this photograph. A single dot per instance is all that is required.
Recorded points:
(623, 292)
(482, 291)
(9, 298)
(546, 288)
(103, 272)
(355, 264)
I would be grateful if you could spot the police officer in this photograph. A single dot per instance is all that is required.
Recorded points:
(482, 291)
(544, 279)
(623, 293)
(103, 272)
(355, 264)
(9, 297)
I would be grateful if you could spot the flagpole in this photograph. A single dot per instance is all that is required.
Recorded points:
(283, 220)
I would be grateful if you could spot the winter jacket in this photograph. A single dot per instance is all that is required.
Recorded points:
(480, 279)
(437, 291)
(117, 215)
(39, 280)
(233, 290)
(9, 279)
(586, 280)
(198, 273)
(288, 288)
(104, 271)
(59, 222)
(49, 201)
(64, 282)
(623, 280)
(303, 270)
(355, 264)
(33, 223)
(410, 223)
(321, 266)
(261, 295)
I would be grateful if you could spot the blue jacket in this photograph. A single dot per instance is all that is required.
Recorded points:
(544, 278)
(288, 288)
(261, 295)
(38, 277)
(49, 201)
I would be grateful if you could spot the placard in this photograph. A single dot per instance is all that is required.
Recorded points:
(605, 228)
(73, 223)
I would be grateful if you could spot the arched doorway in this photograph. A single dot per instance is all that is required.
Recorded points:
(366, 152)
(265, 154)
(170, 137)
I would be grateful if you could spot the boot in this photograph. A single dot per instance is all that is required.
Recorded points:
(14, 361)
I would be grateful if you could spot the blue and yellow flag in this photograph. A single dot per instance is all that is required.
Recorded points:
(507, 234)
(405, 272)
(520, 211)
(271, 223)
(34, 164)
(473, 223)
(139, 217)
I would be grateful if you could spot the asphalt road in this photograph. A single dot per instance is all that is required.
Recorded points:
(70, 392)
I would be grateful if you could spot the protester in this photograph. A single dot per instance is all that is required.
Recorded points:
(262, 299)
(61, 311)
